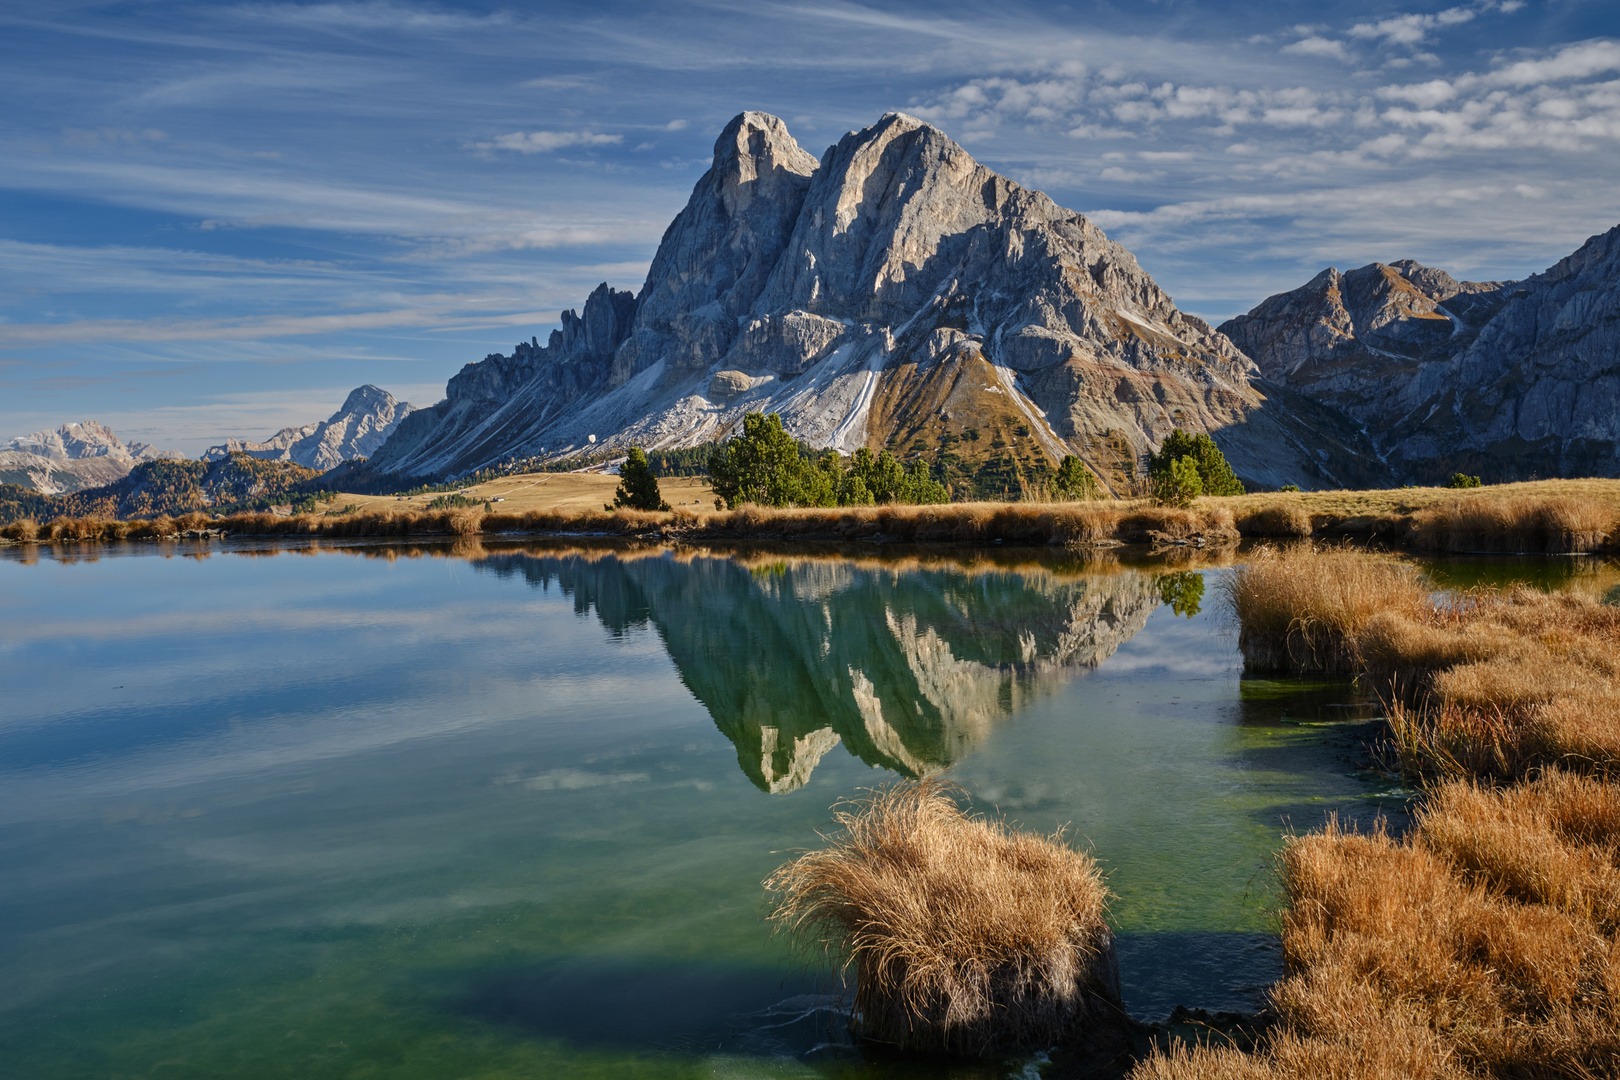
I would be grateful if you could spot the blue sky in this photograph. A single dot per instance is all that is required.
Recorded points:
(216, 219)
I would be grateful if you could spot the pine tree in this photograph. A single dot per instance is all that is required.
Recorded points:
(1215, 476)
(638, 487)
(1073, 480)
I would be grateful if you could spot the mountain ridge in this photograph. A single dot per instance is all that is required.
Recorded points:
(1505, 380)
(894, 294)
(74, 457)
(361, 424)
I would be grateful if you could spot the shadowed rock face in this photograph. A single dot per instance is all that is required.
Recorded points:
(1506, 380)
(895, 291)
(794, 658)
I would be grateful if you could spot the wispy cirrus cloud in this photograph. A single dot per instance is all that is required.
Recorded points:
(544, 142)
(363, 185)
(83, 331)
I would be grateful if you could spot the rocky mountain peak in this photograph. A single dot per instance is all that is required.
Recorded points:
(369, 414)
(897, 293)
(1505, 380)
(717, 253)
(754, 157)
(71, 458)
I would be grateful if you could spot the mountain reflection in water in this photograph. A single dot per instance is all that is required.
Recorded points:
(910, 670)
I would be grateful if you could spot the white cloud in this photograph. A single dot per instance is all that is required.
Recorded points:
(1571, 62)
(675, 125)
(1427, 94)
(544, 142)
(1317, 46)
(81, 331)
(1410, 29)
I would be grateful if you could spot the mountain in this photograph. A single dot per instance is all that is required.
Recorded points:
(71, 458)
(178, 486)
(1504, 380)
(898, 294)
(809, 654)
(368, 416)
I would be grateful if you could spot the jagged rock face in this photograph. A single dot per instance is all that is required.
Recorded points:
(74, 457)
(1354, 340)
(794, 661)
(368, 416)
(718, 252)
(897, 294)
(1505, 380)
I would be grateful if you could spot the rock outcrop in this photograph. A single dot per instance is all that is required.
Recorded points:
(1504, 380)
(896, 294)
(367, 417)
(74, 457)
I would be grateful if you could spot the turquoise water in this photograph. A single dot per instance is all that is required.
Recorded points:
(487, 811)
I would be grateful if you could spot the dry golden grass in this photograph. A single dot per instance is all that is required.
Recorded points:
(1536, 516)
(548, 492)
(1018, 523)
(1482, 944)
(965, 936)
(1486, 942)
(1546, 516)
(1488, 684)
(1306, 610)
(1401, 502)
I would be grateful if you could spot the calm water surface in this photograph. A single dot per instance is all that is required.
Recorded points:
(505, 810)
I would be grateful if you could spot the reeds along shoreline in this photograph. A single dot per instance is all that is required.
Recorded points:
(1551, 523)
(1485, 942)
(1025, 523)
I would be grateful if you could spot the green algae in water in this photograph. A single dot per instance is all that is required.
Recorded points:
(342, 815)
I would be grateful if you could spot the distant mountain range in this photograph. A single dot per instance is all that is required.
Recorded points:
(72, 458)
(367, 417)
(84, 456)
(896, 294)
(1505, 380)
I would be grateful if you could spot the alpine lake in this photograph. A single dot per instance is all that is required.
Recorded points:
(503, 809)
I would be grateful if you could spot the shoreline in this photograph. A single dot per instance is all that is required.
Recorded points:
(1538, 518)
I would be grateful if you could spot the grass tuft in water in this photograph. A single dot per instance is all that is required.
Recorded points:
(966, 936)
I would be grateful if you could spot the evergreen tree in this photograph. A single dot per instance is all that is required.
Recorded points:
(1179, 483)
(1073, 480)
(765, 465)
(1215, 476)
(762, 465)
(638, 487)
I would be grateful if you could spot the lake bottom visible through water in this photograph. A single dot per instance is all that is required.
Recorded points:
(506, 810)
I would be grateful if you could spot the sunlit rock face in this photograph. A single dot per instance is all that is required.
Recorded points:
(894, 292)
(362, 424)
(1504, 380)
(72, 458)
(910, 672)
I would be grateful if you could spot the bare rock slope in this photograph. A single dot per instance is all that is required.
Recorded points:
(74, 457)
(1505, 380)
(896, 293)
(367, 417)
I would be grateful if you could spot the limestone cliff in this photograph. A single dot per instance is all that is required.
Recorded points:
(1505, 380)
(896, 293)
(72, 458)
(364, 421)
